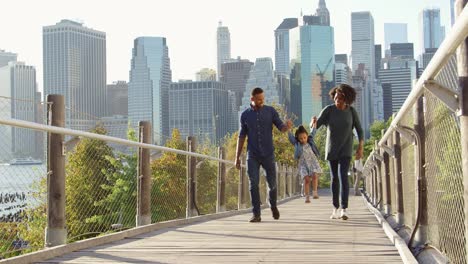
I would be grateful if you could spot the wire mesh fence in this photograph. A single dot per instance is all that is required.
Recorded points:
(446, 229)
(22, 177)
(102, 180)
(443, 173)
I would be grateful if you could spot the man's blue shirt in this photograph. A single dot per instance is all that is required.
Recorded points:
(257, 125)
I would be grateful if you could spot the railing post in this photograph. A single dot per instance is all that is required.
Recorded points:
(378, 170)
(56, 233)
(143, 216)
(284, 167)
(386, 168)
(191, 181)
(375, 183)
(419, 127)
(241, 191)
(462, 60)
(278, 173)
(398, 178)
(221, 183)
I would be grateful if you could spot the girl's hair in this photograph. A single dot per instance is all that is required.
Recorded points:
(301, 129)
(347, 91)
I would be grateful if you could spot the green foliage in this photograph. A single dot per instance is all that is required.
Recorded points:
(84, 187)
(376, 134)
(168, 197)
(121, 186)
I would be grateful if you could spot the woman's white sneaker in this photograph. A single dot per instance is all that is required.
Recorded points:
(344, 214)
(334, 214)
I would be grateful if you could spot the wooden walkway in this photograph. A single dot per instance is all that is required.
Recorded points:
(303, 234)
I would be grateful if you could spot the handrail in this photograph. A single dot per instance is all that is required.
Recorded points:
(71, 132)
(450, 44)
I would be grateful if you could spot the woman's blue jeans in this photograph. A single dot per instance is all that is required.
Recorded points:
(339, 173)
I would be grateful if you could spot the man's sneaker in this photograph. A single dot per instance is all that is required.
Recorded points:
(334, 214)
(275, 213)
(255, 219)
(344, 214)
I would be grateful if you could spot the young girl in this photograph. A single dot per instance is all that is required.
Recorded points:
(306, 152)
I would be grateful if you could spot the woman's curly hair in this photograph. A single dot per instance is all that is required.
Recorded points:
(347, 91)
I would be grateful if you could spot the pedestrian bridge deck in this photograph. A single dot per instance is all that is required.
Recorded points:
(303, 234)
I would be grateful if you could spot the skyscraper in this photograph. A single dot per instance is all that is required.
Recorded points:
(261, 75)
(398, 77)
(199, 109)
(323, 13)
(432, 33)
(235, 74)
(402, 50)
(223, 41)
(363, 62)
(205, 74)
(395, 33)
(74, 60)
(362, 35)
(117, 98)
(317, 62)
(282, 45)
(6, 57)
(18, 82)
(148, 89)
(378, 58)
(452, 12)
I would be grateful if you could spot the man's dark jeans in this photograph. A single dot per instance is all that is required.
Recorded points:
(337, 178)
(253, 169)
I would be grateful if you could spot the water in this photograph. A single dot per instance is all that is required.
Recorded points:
(17, 184)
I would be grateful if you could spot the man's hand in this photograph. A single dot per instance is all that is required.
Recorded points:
(289, 124)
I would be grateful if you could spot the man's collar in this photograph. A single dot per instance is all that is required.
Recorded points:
(253, 107)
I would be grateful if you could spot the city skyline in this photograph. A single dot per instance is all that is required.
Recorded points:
(191, 34)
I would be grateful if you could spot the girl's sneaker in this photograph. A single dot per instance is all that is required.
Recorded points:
(315, 195)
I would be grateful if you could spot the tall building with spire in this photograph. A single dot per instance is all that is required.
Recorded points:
(322, 12)
(432, 33)
(223, 41)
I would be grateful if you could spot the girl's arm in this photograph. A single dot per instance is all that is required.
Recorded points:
(291, 138)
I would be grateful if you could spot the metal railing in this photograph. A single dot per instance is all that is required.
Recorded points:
(86, 186)
(416, 174)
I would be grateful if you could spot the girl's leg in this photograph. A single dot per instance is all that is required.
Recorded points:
(315, 185)
(306, 188)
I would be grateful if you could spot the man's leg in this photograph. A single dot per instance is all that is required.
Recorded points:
(270, 167)
(253, 169)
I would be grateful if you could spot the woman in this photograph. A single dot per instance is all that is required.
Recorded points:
(340, 119)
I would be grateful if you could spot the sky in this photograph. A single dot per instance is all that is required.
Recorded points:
(190, 26)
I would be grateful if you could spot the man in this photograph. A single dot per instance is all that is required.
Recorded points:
(256, 123)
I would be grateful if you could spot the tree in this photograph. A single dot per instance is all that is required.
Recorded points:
(168, 195)
(121, 186)
(86, 214)
(376, 134)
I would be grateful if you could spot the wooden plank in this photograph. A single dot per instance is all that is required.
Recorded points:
(304, 234)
